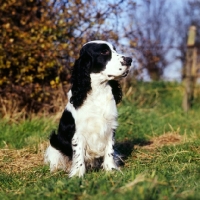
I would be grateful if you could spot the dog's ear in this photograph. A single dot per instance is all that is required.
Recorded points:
(80, 79)
(116, 90)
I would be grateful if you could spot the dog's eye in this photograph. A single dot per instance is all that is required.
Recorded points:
(105, 52)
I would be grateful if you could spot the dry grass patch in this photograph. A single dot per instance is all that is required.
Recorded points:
(170, 138)
(14, 161)
(150, 148)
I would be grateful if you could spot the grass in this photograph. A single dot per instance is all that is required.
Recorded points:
(160, 144)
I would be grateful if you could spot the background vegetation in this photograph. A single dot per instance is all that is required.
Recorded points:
(39, 41)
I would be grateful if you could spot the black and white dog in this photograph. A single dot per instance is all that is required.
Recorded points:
(88, 123)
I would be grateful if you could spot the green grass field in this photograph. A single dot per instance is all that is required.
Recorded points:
(160, 144)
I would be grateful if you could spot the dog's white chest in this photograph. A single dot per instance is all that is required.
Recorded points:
(96, 121)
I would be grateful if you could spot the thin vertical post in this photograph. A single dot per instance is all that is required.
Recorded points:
(190, 70)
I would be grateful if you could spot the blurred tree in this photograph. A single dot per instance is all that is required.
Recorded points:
(40, 39)
(151, 31)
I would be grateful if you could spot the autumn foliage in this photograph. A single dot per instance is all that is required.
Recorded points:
(39, 41)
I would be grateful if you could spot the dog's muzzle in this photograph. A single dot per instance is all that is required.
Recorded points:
(126, 61)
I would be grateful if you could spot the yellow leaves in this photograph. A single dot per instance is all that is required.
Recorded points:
(11, 40)
(3, 80)
(38, 41)
(41, 40)
(32, 30)
(29, 79)
(8, 63)
(64, 45)
(39, 99)
(4, 6)
(12, 1)
(25, 69)
(42, 46)
(52, 37)
(22, 22)
(40, 69)
(71, 53)
(57, 80)
(7, 25)
(31, 60)
(55, 83)
(45, 28)
(61, 22)
(25, 79)
(40, 76)
(37, 87)
(52, 83)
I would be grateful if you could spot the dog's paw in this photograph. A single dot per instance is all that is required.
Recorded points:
(109, 165)
(77, 171)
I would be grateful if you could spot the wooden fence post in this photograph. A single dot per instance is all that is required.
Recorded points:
(190, 70)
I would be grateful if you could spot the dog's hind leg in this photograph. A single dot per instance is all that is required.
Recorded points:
(56, 159)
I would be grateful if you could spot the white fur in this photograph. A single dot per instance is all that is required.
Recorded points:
(56, 159)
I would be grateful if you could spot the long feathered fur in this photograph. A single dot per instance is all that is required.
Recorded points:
(116, 90)
(62, 140)
(81, 81)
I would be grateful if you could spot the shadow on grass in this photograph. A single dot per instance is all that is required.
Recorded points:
(125, 148)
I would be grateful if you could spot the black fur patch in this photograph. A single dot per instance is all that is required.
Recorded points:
(116, 90)
(62, 140)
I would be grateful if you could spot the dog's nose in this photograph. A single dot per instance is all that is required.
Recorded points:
(127, 60)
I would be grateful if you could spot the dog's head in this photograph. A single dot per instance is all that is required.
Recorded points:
(104, 59)
(98, 59)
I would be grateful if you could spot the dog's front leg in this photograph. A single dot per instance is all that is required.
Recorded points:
(109, 162)
(78, 164)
